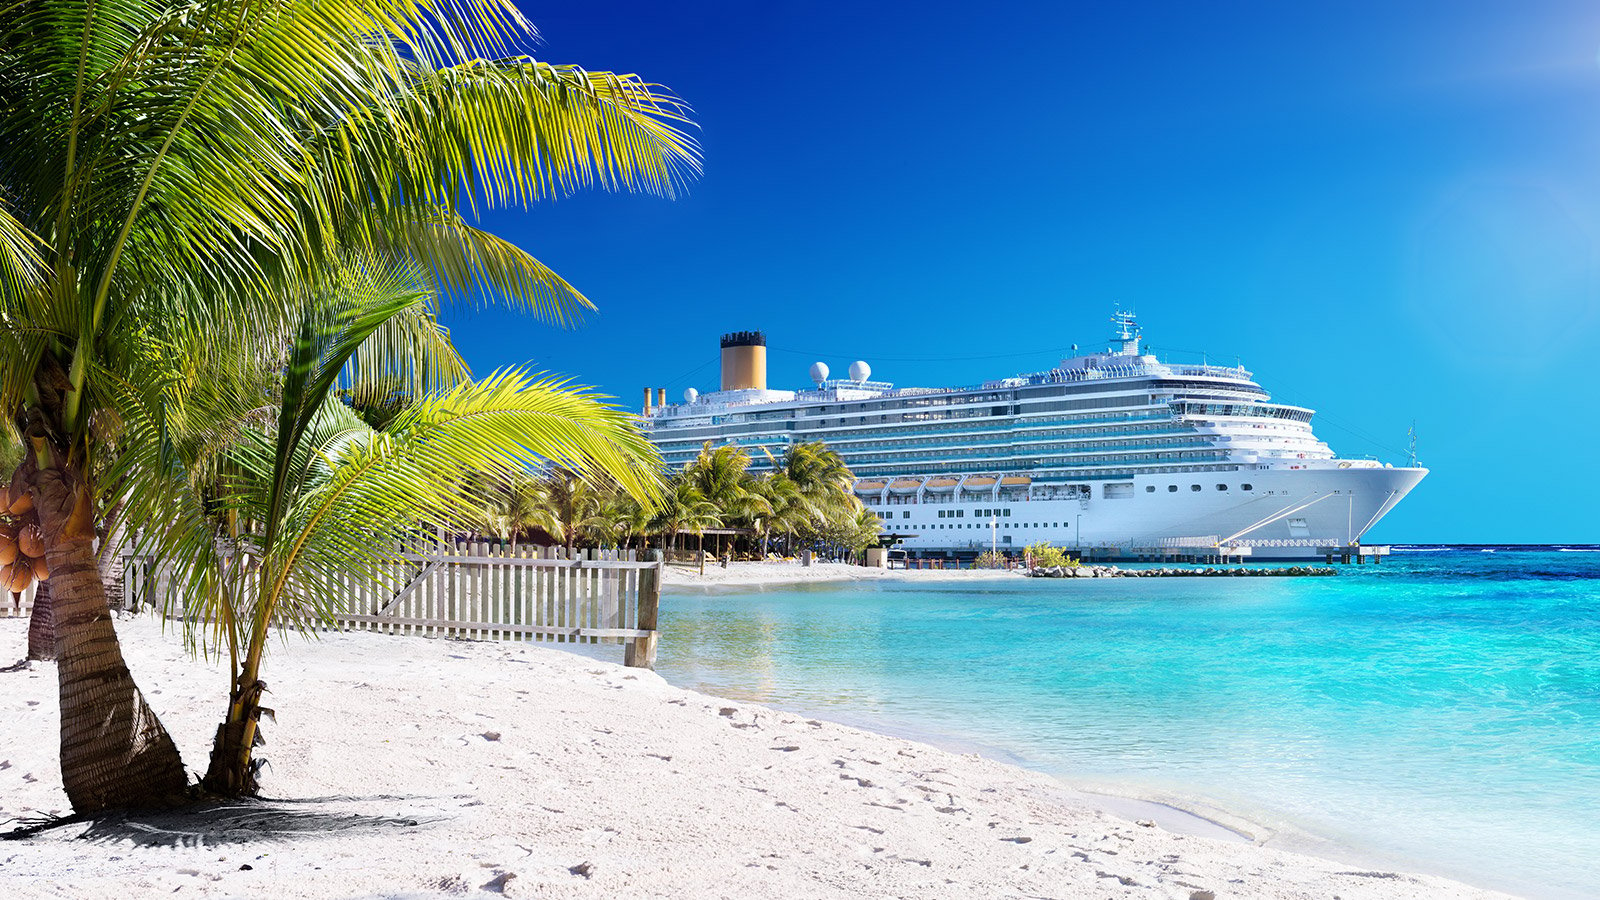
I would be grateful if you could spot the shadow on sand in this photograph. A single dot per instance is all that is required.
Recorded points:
(237, 822)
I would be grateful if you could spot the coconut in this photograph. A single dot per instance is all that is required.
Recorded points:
(41, 570)
(30, 540)
(8, 550)
(21, 577)
(21, 503)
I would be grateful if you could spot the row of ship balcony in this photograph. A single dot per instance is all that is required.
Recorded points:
(1037, 444)
(912, 454)
(979, 425)
(1034, 463)
(1066, 441)
(906, 430)
(1154, 454)
(860, 462)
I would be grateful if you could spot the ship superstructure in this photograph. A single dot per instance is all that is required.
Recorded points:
(1115, 453)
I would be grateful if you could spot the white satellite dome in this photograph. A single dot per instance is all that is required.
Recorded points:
(819, 372)
(690, 395)
(860, 371)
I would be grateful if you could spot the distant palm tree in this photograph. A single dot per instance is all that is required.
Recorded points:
(787, 509)
(722, 476)
(819, 473)
(683, 508)
(865, 531)
(821, 488)
(513, 508)
(566, 500)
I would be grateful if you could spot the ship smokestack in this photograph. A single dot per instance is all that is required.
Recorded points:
(661, 398)
(744, 361)
(647, 403)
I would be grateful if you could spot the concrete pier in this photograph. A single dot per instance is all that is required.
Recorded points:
(1358, 552)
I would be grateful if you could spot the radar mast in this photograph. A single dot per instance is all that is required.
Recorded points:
(1127, 333)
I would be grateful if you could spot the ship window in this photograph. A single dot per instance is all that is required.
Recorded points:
(906, 514)
(1149, 489)
(1222, 487)
(1246, 487)
(961, 514)
(1194, 487)
(1172, 488)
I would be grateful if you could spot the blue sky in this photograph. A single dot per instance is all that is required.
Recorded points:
(1389, 212)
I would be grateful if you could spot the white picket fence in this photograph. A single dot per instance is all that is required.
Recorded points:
(480, 591)
(18, 605)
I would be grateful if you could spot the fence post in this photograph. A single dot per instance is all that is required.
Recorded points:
(640, 652)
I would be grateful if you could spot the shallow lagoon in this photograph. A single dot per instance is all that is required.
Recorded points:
(1439, 712)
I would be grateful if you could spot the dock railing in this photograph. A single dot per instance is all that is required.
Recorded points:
(479, 591)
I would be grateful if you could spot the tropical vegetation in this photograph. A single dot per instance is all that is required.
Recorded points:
(800, 500)
(261, 529)
(245, 193)
(1044, 556)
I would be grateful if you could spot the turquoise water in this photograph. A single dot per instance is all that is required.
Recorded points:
(1440, 712)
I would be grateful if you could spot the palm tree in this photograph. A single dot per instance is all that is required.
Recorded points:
(615, 517)
(820, 475)
(786, 508)
(209, 163)
(565, 500)
(818, 490)
(722, 476)
(866, 528)
(316, 494)
(514, 506)
(683, 508)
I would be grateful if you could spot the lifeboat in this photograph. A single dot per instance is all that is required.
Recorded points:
(1015, 480)
(979, 481)
(869, 487)
(904, 485)
(943, 485)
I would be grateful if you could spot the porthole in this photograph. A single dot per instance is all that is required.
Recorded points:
(1246, 487)
(1172, 488)
(1222, 487)
(1149, 489)
(1194, 487)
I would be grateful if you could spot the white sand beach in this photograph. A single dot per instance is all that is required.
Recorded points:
(409, 767)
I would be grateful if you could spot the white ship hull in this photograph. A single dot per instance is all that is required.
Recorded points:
(1286, 514)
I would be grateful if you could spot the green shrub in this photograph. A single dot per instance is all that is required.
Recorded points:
(988, 559)
(1044, 556)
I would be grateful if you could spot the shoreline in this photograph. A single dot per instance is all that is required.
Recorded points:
(784, 574)
(1192, 814)
(462, 763)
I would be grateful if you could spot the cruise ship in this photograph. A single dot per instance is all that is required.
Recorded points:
(1114, 454)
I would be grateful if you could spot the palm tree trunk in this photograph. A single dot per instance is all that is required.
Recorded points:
(231, 771)
(42, 624)
(700, 551)
(114, 752)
